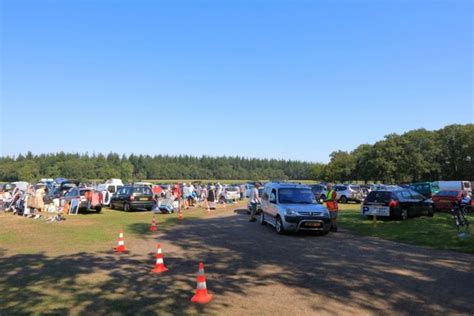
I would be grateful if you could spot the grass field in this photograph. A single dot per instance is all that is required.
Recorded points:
(438, 232)
(86, 232)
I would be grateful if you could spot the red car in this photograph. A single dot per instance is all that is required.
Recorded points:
(443, 200)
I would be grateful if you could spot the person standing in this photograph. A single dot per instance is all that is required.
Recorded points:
(254, 200)
(242, 192)
(331, 203)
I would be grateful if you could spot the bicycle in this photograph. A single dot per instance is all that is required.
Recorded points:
(459, 214)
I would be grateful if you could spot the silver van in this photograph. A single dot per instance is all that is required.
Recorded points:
(292, 207)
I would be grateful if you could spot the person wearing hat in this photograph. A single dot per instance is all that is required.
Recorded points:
(254, 200)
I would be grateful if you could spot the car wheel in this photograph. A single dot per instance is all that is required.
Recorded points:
(262, 219)
(279, 226)
(222, 200)
(343, 199)
(404, 215)
(149, 208)
(430, 211)
(98, 209)
(126, 207)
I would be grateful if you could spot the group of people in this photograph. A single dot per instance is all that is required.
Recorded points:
(190, 195)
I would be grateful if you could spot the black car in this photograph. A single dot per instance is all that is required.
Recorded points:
(132, 198)
(398, 203)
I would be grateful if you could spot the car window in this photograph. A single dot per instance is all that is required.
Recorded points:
(296, 196)
(122, 191)
(272, 198)
(111, 189)
(142, 190)
(405, 195)
(72, 192)
(378, 196)
(416, 195)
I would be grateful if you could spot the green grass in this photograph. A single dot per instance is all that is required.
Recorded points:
(437, 232)
(86, 232)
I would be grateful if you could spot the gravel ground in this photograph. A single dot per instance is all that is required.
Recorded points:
(250, 270)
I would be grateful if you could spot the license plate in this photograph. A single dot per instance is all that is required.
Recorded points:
(313, 224)
(143, 199)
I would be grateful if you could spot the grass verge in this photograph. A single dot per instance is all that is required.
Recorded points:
(437, 232)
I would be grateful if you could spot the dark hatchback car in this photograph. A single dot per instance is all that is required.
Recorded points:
(398, 203)
(132, 198)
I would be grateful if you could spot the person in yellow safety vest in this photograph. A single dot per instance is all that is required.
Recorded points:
(331, 203)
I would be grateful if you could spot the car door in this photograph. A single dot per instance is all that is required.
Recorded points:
(411, 205)
(119, 197)
(273, 203)
(419, 201)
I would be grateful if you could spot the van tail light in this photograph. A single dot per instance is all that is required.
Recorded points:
(132, 197)
(393, 203)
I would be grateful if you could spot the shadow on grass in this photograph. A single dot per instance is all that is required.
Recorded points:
(239, 256)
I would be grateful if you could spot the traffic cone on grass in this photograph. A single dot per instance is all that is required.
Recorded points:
(153, 226)
(201, 296)
(180, 216)
(120, 243)
(160, 265)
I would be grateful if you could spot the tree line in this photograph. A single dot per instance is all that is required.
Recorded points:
(418, 155)
(83, 167)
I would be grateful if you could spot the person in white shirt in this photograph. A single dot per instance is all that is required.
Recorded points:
(254, 200)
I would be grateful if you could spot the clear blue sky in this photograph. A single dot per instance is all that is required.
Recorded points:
(279, 79)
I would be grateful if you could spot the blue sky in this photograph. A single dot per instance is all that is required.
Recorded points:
(279, 79)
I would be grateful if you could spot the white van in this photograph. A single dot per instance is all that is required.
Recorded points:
(455, 185)
(109, 188)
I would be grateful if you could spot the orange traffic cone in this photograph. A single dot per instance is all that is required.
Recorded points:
(201, 296)
(160, 265)
(180, 216)
(153, 226)
(120, 243)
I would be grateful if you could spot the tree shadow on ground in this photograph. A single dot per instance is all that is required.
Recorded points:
(367, 274)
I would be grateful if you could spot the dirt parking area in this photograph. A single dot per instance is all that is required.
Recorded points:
(250, 270)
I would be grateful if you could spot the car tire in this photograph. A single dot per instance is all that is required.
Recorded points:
(404, 214)
(430, 211)
(279, 226)
(98, 209)
(126, 207)
(149, 208)
(262, 219)
(343, 199)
